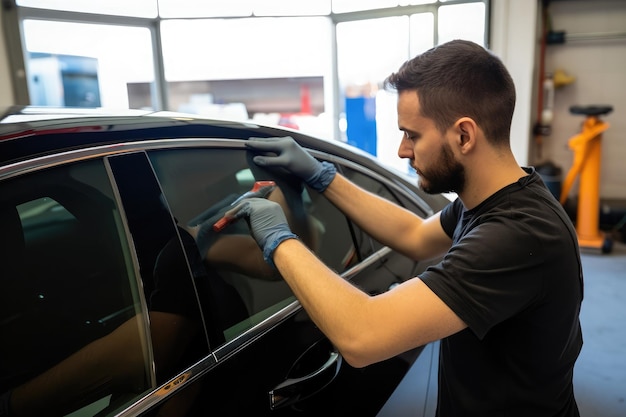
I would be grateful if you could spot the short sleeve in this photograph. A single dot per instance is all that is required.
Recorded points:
(450, 216)
(488, 276)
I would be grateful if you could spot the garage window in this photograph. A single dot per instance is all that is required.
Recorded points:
(316, 66)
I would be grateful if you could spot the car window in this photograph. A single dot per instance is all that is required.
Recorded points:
(74, 338)
(366, 244)
(201, 184)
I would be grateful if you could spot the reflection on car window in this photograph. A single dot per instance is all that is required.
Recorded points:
(200, 185)
(336, 246)
(367, 245)
(68, 294)
(42, 211)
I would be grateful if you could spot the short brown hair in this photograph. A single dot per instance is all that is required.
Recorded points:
(460, 79)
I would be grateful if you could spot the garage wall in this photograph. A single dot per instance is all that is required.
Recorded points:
(513, 38)
(6, 89)
(599, 65)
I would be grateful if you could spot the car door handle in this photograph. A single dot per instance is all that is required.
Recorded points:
(295, 388)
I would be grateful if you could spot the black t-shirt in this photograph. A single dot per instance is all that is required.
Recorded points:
(514, 276)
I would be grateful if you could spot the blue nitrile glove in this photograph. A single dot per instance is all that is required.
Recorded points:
(290, 156)
(267, 223)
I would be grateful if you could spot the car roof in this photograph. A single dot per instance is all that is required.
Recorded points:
(27, 132)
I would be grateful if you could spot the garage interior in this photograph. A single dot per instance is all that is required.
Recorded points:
(561, 53)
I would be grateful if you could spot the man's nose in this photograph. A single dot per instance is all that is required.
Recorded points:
(405, 150)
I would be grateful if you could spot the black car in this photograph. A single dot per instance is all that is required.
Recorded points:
(117, 297)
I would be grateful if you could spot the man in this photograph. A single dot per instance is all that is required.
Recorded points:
(504, 300)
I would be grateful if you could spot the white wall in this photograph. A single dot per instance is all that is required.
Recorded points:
(6, 88)
(514, 40)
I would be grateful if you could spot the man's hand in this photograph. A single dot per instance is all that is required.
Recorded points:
(201, 226)
(267, 223)
(286, 153)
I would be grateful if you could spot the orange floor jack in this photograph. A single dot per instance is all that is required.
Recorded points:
(587, 147)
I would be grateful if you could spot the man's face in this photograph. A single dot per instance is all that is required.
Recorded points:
(428, 150)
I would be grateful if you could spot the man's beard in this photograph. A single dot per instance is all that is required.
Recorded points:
(446, 175)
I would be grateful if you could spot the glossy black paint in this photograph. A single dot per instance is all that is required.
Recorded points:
(240, 381)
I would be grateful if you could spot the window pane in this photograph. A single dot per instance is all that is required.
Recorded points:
(343, 6)
(416, 2)
(291, 7)
(335, 244)
(271, 48)
(204, 8)
(86, 65)
(368, 51)
(278, 71)
(422, 33)
(367, 245)
(70, 303)
(136, 8)
(200, 185)
(462, 21)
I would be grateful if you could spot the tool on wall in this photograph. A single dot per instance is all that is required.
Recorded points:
(548, 82)
(541, 130)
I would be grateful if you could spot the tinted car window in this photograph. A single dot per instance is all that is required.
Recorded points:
(398, 268)
(368, 245)
(201, 184)
(69, 292)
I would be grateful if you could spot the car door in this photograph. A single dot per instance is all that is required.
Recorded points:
(74, 322)
(271, 359)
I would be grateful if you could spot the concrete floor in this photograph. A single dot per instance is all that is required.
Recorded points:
(600, 373)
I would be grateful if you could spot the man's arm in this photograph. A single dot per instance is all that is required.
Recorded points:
(366, 329)
(390, 224)
(112, 364)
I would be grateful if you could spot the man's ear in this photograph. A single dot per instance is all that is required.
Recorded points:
(466, 130)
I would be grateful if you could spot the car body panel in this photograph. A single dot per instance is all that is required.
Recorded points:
(278, 363)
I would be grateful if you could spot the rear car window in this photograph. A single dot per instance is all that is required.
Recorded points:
(68, 292)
